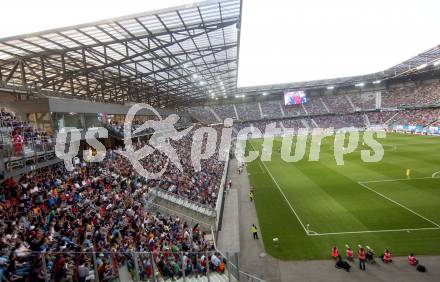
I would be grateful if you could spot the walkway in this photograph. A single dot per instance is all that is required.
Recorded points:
(253, 258)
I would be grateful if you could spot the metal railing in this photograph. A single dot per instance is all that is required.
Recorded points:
(28, 152)
(98, 266)
(183, 201)
(220, 195)
(232, 268)
(150, 206)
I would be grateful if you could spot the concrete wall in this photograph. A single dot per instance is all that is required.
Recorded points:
(24, 107)
(61, 105)
(6, 97)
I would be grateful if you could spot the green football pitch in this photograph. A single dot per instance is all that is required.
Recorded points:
(312, 205)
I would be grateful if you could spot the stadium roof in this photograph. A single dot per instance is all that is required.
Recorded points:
(166, 57)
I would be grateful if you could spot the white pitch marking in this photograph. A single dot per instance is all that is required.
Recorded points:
(261, 168)
(376, 231)
(395, 179)
(399, 204)
(282, 193)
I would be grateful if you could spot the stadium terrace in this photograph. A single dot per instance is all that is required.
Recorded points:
(128, 152)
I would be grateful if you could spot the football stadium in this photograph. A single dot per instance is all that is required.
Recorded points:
(219, 140)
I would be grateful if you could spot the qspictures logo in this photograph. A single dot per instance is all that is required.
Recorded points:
(205, 139)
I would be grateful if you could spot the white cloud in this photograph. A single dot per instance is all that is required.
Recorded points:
(289, 41)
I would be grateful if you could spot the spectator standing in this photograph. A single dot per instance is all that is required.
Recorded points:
(349, 253)
(335, 252)
(254, 231)
(361, 257)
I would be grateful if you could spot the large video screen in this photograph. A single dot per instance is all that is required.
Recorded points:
(294, 98)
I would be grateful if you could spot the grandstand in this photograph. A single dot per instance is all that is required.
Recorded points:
(106, 220)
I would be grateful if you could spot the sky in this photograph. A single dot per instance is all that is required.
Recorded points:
(281, 40)
(290, 41)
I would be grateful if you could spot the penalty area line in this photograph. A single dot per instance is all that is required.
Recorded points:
(399, 204)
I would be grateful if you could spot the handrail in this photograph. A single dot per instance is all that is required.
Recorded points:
(249, 277)
(159, 207)
(220, 199)
(141, 134)
(172, 195)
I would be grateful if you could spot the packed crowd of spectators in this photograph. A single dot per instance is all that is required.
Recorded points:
(260, 125)
(293, 123)
(422, 117)
(411, 95)
(399, 96)
(363, 101)
(337, 103)
(271, 109)
(293, 111)
(340, 121)
(15, 135)
(315, 106)
(428, 94)
(248, 111)
(325, 121)
(225, 111)
(381, 118)
(202, 114)
(198, 186)
(425, 94)
(64, 216)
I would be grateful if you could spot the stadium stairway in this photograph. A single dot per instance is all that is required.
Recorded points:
(431, 122)
(214, 114)
(282, 127)
(304, 108)
(325, 106)
(304, 122)
(261, 110)
(282, 110)
(314, 123)
(236, 112)
(350, 102)
(366, 120)
(392, 118)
